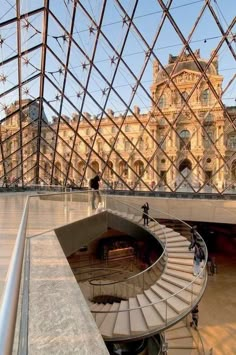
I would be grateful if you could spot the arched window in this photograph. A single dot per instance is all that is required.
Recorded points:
(185, 166)
(139, 167)
(81, 167)
(95, 166)
(185, 142)
(123, 169)
(108, 172)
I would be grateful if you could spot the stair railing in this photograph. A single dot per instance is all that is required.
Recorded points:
(139, 280)
(10, 297)
(113, 204)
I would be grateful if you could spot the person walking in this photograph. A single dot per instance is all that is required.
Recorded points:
(145, 208)
(194, 237)
(94, 184)
(198, 257)
(195, 317)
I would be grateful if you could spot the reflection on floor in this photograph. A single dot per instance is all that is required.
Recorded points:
(217, 309)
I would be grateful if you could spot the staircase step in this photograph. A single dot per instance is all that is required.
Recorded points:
(161, 307)
(184, 295)
(168, 232)
(178, 333)
(182, 343)
(137, 321)
(183, 351)
(150, 314)
(187, 255)
(174, 239)
(184, 262)
(174, 249)
(99, 317)
(182, 275)
(178, 243)
(195, 288)
(156, 226)
(183, 268)
(176, 303)
(178, 325)
(106, 327)
(96, 307)
(122, 325)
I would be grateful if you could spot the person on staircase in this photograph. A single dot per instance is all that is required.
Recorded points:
(195, 316)
(198, 258)
(194, 237)
(145, 208)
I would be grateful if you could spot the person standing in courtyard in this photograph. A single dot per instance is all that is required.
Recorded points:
(145, 208)
(94, 184)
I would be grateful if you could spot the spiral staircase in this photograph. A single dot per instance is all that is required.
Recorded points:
(154, 299)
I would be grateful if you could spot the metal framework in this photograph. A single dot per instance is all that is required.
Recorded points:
(77, 56)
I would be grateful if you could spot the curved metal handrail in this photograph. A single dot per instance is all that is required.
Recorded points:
(148, 268)
(10, 297)
(114, 271)
(174, 294)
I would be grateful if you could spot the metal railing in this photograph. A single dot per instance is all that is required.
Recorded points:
(190, 287)
(10, 297)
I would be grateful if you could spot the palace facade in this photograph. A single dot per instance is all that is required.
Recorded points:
(187, 139)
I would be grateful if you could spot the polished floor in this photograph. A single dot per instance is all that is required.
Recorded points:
(217, 310)
(217, 321)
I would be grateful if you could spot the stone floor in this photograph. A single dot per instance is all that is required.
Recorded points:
(217, 309)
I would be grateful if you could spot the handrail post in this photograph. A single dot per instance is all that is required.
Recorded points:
(10, 298)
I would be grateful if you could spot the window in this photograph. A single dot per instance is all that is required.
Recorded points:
(162, 142)
(127, 128)
(185, 142)
(208, 139)
(162, 101)
(139, 167)
(208, 119)
(205, 97)
(184, 97)
(141, 143)
(99, 146)
(127, 145)
(232, 142)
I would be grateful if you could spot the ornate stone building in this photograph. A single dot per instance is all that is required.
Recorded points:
(186, 141)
